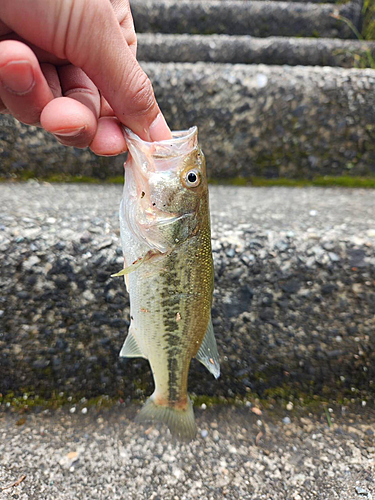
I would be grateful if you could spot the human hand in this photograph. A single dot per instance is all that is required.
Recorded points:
(70, 67)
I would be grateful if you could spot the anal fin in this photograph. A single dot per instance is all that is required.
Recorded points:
(207, 354)
(131, 349)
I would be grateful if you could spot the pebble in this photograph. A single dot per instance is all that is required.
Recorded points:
(31, 262)
(334, 257)
(85, 237)
(286, 420)
(361, 491)
(88, 295)
(231, 253)
(105, 244)
(204, 433)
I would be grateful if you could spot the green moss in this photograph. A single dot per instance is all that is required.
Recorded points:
(345, 181)
(29, 400)
(274, 397)
(116, 180)
(323, 181)
(255, 181)
(75, 179)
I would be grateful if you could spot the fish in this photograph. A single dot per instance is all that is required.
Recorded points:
(168, 271)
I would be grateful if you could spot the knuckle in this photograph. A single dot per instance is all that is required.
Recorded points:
(142, 93)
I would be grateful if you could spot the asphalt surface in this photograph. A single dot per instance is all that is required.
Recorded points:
(238, 455)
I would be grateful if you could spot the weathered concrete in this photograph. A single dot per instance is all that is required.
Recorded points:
(252, 119)
(294, 303)
(297, 1)
(250, 50)
(254, 18)
(28, 150)
(244, 456)
(272, 120)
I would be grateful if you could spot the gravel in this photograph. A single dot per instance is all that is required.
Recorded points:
(293, 305)
(104, 455)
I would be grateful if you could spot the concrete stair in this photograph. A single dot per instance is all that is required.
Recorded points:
(276, 88)
(250, 50)
(239, 17)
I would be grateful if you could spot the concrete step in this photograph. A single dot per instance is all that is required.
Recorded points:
(273, 120)
(236, 17)
(253, 120)
(293, 1)
(293, 303)
(249, 50)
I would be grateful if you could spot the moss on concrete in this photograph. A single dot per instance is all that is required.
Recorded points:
(322, 181)
(277, 401)
(326, 181)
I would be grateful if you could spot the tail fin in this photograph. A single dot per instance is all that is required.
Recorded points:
(181, 423)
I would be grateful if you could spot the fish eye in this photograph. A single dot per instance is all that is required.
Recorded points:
(192, 178)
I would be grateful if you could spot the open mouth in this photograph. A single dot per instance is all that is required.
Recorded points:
(181, 144)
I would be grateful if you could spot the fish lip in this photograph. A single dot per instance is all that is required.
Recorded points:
(181, 144)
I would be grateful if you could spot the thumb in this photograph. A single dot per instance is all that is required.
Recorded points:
(87, 34)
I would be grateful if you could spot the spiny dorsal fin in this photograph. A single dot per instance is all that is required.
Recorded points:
(207, 354)
(131, 349)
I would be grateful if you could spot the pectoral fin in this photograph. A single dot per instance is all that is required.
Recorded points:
(136, 263)
(130, 349)
(207, 354)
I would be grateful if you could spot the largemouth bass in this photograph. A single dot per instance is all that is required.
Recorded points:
(166, 241)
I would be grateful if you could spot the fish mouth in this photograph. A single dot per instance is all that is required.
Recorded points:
(146, 158)
(182, 143)
(145, 214)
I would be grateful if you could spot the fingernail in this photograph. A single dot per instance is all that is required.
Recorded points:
(159, 130)
(69, 132)
(17, 77)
